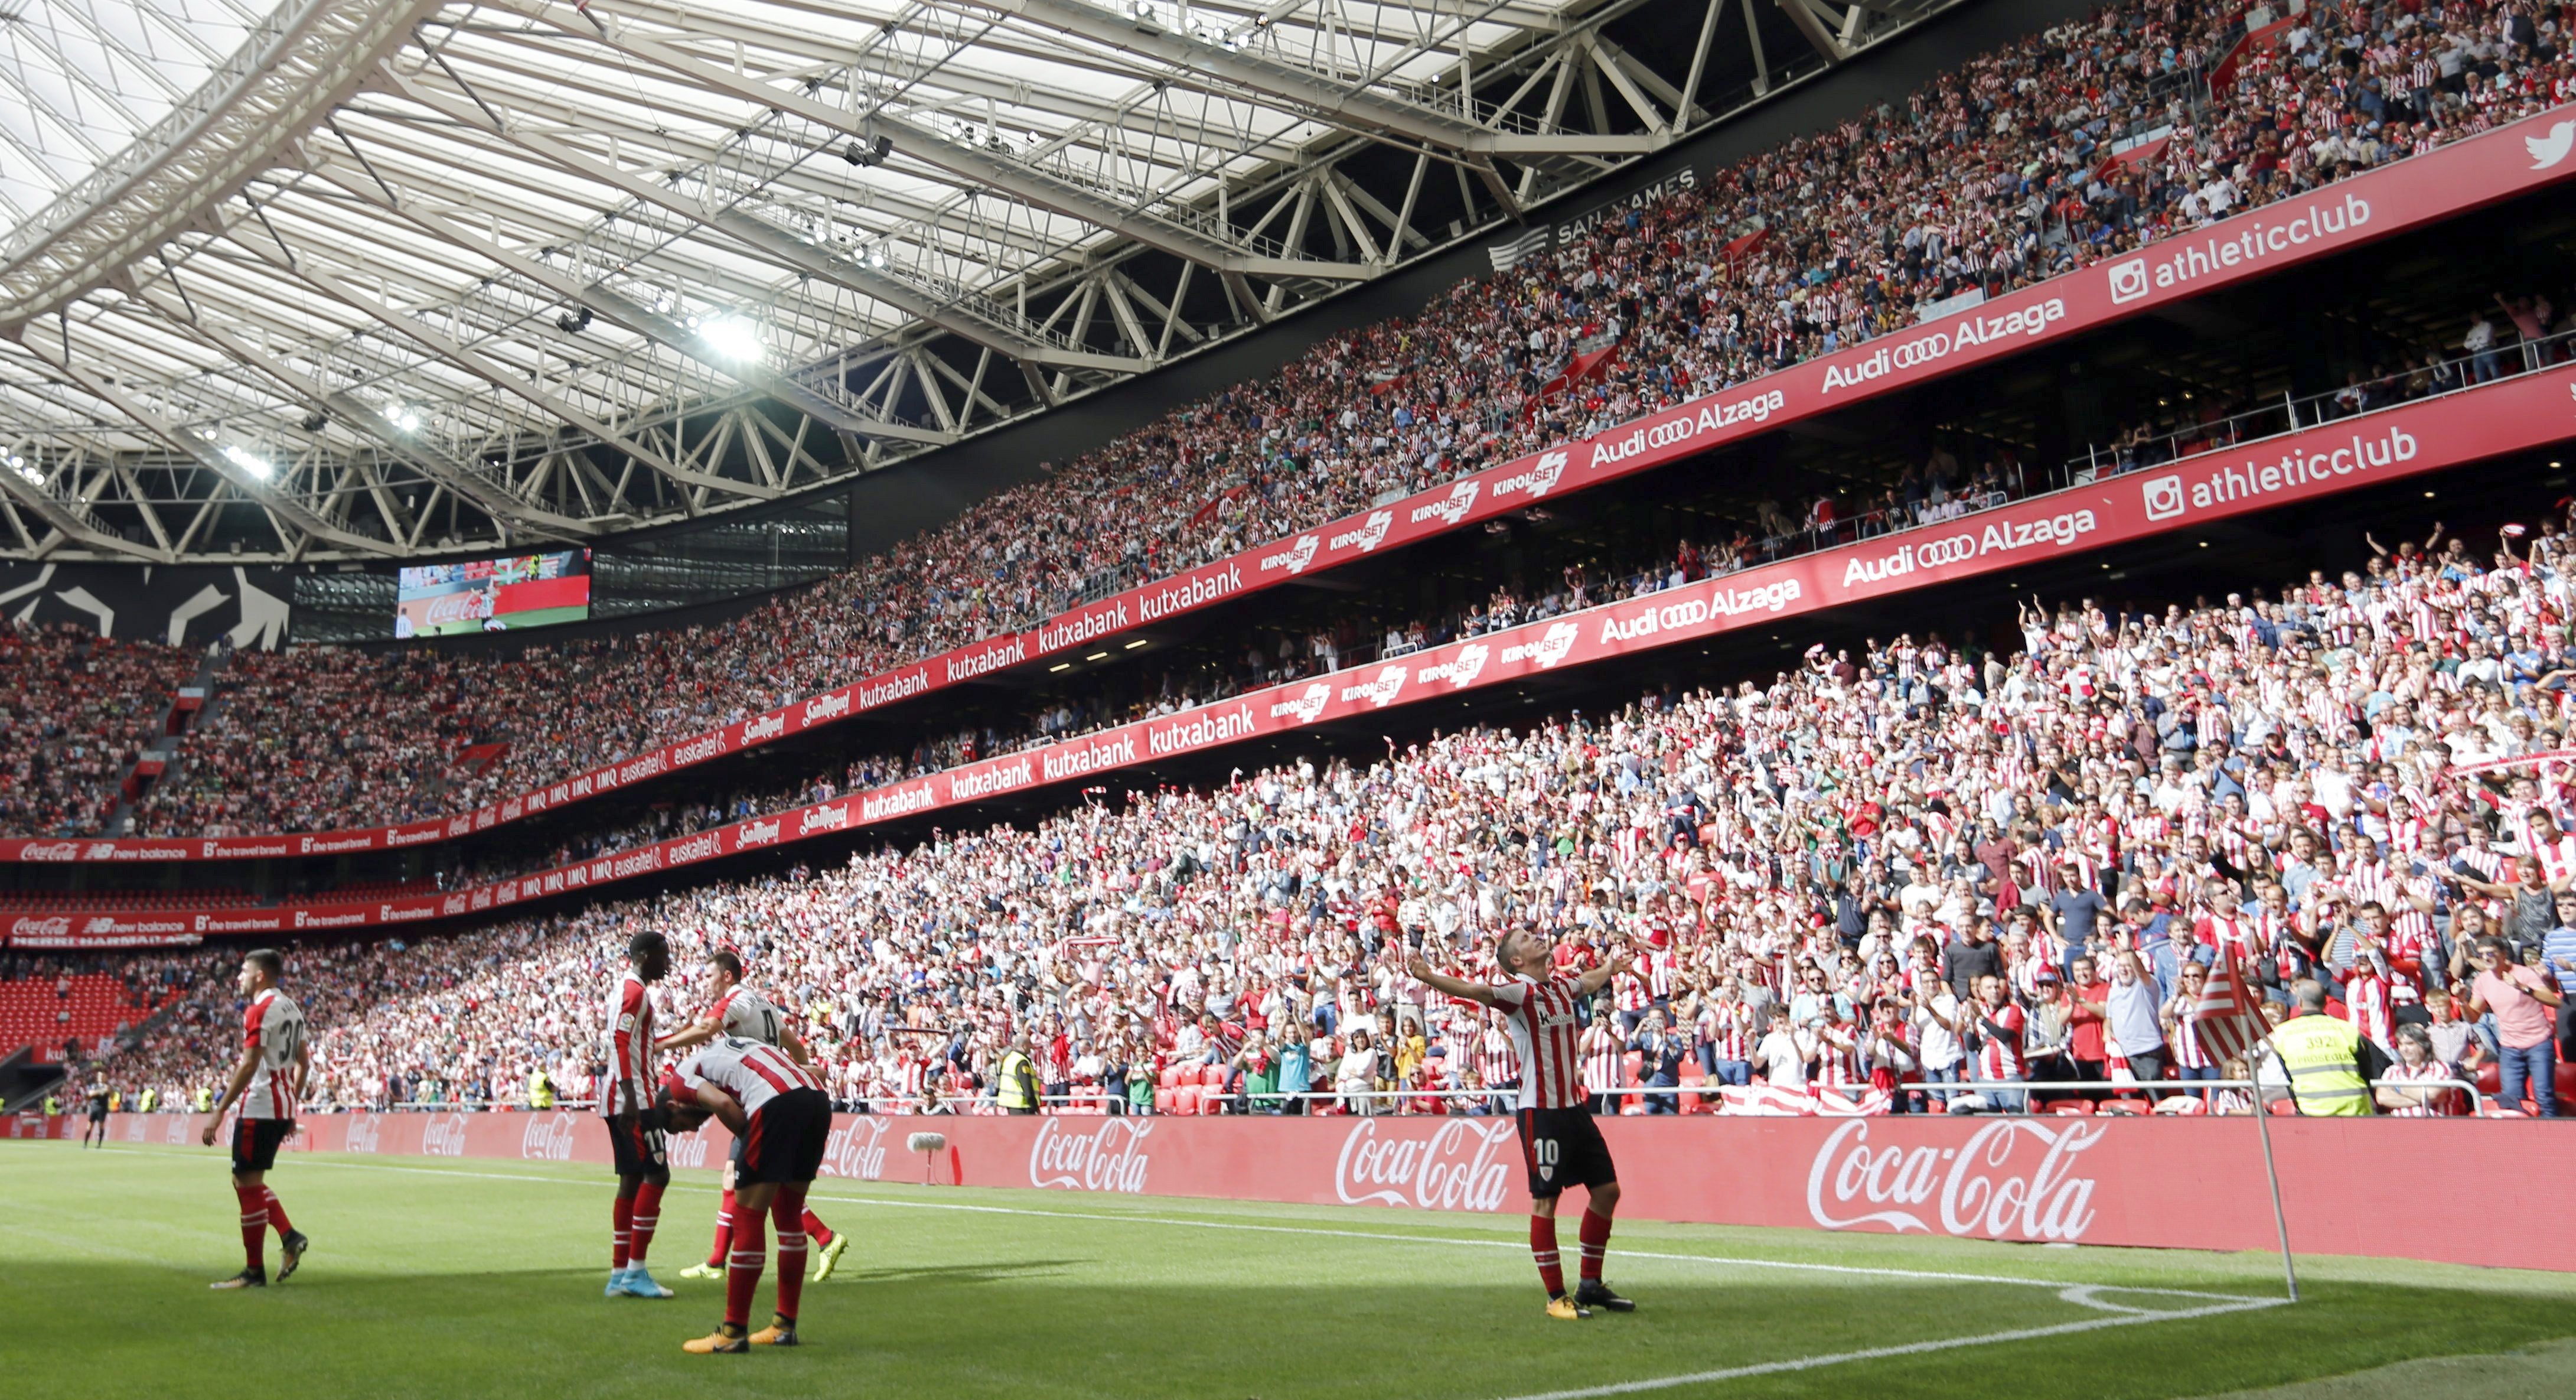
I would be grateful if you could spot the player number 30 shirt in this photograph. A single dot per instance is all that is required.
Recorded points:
(275, 1028)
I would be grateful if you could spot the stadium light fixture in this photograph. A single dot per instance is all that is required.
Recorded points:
(405, 417)
(249, 461)
(1097, 656)
(731, 337)
(1140, 641)
(19, 465)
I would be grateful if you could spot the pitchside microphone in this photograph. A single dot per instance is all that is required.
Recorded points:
(929, 1145)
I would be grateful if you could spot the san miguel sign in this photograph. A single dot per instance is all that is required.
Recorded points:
(2404, 195)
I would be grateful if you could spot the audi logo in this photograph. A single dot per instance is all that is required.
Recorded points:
(1924, 351)
(1668, 433)
(1957, 549)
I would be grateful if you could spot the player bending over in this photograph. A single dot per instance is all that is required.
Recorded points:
(776, 1109)
(740, 1011)
(274, 1067)
(634, 1131)
(1559, 1141)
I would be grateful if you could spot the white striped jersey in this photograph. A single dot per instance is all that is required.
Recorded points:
(629, 1088)
(746, 1013)
(750, 1071)
(1540, 1016)
(274, 1028)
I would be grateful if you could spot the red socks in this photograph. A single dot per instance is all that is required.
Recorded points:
(724, 1233)
(1543, 1249)
(1596, 1242)
(254, 1226)
(790, 1210)
(277, 1215)
(814, 1226)
(648, 1213)
(624, 1234)
(742, 1272)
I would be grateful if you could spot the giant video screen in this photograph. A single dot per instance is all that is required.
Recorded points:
(493, 595)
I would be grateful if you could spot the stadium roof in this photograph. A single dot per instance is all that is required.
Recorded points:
(375, 278)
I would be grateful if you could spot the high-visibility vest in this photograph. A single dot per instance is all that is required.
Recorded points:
(205, 1099)
(2322, 1057)
(150, 1101)
(53, 1107)
(1016, 1081)
(541, 1090)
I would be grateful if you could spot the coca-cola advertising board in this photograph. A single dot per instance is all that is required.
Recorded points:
(2349, 1186)
(2407, 194)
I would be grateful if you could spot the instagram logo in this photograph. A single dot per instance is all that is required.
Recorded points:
(2128, 281)
(2163, 497)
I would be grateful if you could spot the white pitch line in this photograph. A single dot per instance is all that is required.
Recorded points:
(1378, 1236)
(1843, 1358)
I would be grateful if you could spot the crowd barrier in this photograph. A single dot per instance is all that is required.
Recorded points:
(2371, 1186)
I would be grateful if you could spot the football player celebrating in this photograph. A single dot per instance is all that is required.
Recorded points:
(776, 1109)
(1559, 1140)
(740, 1011)
(634, 1132)
(274, 1068)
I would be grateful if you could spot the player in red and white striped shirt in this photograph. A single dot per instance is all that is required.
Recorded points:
(634, 1134)
(740, 1011)
(1559, 1140)
(777, 1109)
(274, 1066)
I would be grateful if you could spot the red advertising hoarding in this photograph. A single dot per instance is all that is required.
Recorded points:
(2193, 1183)
(2407, 194)
(2350, 454)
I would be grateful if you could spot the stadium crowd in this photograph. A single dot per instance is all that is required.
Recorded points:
(76, 710)
(1922, 862)
(2079, 143)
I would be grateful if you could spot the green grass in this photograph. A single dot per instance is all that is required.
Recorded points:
(483, 1279)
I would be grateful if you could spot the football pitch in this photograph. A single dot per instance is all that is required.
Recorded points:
(482, 1278)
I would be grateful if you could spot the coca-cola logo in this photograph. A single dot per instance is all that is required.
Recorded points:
(1463, 1164)
(547, 1138)
(59, 926)
(50, 850)
(363, 1131)
(2012, 1179)
(1111, 1157)
(175, 1132)
(443, 1135)
(686, 1150)
(856, 1149)
(134, 1128)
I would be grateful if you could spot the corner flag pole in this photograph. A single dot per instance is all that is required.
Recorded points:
(2280, 1219)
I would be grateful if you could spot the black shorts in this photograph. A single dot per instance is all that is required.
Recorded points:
(1562, 1147)
(636, 1147)
(256, 1140)
(785, 1139)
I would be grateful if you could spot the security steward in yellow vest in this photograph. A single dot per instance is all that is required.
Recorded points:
(150, 1102)
(2328, 1064)
(1015, 1081)
(53, 1107)
(541, 1090)
(205, 1099)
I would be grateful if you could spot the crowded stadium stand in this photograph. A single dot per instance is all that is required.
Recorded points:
(1748, 718)
(2072, 147)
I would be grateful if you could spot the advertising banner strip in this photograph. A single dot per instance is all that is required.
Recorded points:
(2407, 194)
(2171, 1183)
(2349, 454)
